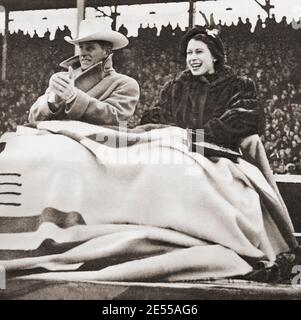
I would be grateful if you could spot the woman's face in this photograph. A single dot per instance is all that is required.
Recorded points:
(199, 58)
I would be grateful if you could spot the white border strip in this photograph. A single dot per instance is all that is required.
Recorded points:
(289, 178)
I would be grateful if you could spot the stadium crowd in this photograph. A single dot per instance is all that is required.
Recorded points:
(269, 55)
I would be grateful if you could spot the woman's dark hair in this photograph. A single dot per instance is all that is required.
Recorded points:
(214, 44)
(106, 45)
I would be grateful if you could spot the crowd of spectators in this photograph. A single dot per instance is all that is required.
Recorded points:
(269, 55)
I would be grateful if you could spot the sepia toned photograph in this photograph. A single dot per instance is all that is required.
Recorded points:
(150, 150)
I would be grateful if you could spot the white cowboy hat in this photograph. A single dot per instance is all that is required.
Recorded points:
(94, 30)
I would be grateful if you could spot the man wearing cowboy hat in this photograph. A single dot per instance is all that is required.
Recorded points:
(91, 91)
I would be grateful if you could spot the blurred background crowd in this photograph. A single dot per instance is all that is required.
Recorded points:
(270, 55)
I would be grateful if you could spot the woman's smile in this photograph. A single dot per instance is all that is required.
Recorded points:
(196, 65)
(199, 58)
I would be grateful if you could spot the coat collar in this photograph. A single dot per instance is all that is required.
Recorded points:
(222, 75)
(86, 80)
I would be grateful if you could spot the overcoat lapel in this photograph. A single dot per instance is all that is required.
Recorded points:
(87, 79)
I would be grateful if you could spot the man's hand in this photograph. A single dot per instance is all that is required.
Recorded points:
(62, 84)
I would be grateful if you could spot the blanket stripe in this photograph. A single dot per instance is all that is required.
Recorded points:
(48, 247)
(14, 204)
(10, 189)
(14, 193)
(63, 220)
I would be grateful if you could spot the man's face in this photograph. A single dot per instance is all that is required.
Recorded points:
(91, 52)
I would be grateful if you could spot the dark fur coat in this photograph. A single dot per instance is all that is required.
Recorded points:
(222, 104)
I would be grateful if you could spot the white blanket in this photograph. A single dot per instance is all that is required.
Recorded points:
(74, 201)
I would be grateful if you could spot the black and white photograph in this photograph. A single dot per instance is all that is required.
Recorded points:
(150, 150)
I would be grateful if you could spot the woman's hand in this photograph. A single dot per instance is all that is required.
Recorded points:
(237, 114)
(242, 106)
(242, 99)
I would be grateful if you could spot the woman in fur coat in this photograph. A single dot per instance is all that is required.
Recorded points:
(208, 97)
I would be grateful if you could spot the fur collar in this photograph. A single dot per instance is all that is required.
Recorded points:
(222, 75)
